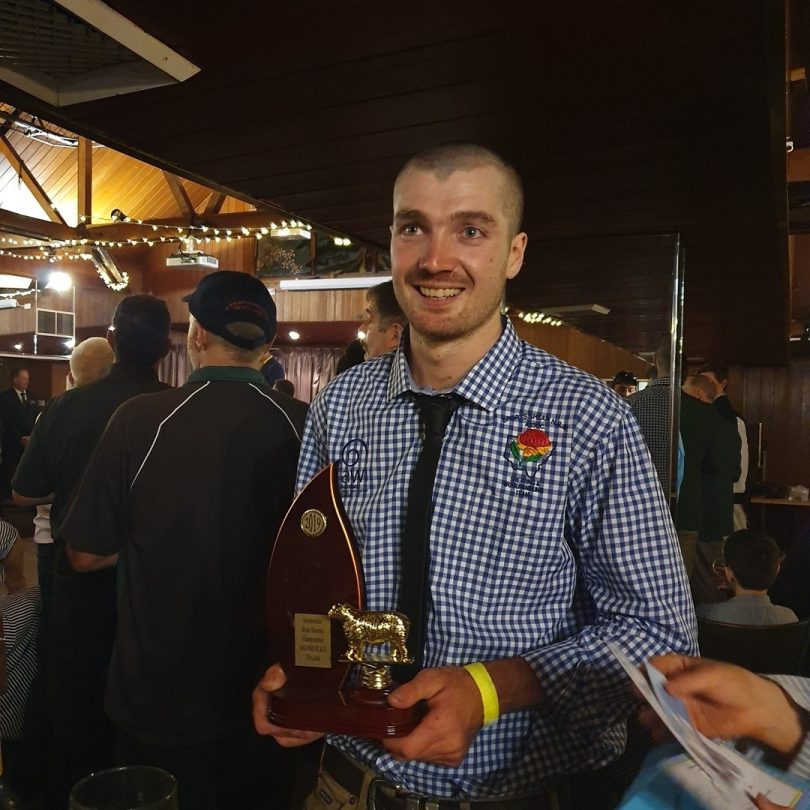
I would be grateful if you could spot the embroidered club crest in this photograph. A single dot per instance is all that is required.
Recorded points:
(531, 446)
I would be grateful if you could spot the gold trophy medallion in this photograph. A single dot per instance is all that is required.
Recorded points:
(313, 523)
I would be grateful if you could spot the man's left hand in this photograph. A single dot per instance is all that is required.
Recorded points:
(454, 715)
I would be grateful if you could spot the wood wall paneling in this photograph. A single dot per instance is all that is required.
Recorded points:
(779, 397)
(320, 305)
(59, 372)
(597, 357)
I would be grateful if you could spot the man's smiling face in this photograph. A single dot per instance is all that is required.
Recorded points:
(452, 250)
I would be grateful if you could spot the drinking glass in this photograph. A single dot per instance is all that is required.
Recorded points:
(133, 787)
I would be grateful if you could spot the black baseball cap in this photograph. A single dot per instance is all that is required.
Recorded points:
(225, 297)
(624, 378)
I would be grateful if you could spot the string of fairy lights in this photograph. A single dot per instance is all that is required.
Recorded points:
(155, 234)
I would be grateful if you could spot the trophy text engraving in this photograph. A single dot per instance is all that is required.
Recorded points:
(313, 641)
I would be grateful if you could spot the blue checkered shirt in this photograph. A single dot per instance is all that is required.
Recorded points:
(651, 408)
(544, 559)
(799, 690)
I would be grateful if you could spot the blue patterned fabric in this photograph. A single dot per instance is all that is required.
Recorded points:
(798, 688)
(542, 559)
(651, 408)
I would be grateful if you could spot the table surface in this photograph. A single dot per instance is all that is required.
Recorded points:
(779, 502)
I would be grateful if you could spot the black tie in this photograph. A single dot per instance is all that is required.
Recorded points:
(436, 412)
(24, 399)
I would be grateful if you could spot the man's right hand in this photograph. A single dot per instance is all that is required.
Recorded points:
(274, 679)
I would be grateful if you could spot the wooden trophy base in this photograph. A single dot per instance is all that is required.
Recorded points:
(355, 710)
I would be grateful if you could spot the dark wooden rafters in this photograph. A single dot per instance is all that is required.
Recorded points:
(214, 203)
(632, 139)
(180, 194)
(30, 181)
(85, 180)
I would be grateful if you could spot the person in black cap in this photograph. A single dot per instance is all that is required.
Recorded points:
(624, 383)
(190, 486)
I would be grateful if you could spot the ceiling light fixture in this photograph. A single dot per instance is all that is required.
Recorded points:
(292, 230)
(597, 308)
(59, 281)
(337, 283)
(9, 282)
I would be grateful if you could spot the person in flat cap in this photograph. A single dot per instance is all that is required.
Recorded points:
(190, 485)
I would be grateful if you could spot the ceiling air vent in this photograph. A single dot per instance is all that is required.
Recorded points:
(79, 51)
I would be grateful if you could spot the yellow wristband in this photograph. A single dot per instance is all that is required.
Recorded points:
(489, 695)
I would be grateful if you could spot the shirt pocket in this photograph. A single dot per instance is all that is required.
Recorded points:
(504, 571)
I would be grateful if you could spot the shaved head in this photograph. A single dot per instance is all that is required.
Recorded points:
(444, 160)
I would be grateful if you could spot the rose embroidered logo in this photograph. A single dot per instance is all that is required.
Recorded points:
(530, 446)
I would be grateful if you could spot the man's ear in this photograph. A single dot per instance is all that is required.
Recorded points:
(200, 337)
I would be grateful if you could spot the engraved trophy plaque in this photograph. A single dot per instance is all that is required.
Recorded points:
(319, 630)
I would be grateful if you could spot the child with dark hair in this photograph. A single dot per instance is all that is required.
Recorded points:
(752, 561)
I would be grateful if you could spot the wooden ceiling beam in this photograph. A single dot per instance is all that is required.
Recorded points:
(214, 203)
(34, 228)
(30, 181)
(179, 193)
(85, 180)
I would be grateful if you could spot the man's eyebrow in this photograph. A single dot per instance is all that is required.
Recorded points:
(474, 216)
(468, 216)
(409, 213)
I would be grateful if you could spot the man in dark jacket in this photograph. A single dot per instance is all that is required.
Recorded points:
(711, 465)
(78, 641)
(17, 414)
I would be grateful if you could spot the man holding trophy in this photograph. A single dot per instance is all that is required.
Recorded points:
(503, 504)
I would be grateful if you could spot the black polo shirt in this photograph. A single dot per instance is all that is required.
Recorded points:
(65, 435)
(190, 486)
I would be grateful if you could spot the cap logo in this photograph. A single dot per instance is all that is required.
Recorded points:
(247, 306)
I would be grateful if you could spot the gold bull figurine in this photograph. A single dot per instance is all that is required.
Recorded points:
(363, 627)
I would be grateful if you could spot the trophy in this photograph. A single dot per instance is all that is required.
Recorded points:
(320, 631)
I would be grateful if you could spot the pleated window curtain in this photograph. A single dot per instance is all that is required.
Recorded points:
(309, 368)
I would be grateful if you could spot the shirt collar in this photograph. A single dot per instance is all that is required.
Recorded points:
(753, 597)
(228, 373)
(659, 381)
(123, 370)
(483, 384)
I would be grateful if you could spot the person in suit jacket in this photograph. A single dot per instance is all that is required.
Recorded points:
(711, 466)
(718, 374)
(17, 418)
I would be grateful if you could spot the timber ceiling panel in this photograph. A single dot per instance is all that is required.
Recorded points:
(623, 116)
(119, 181)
